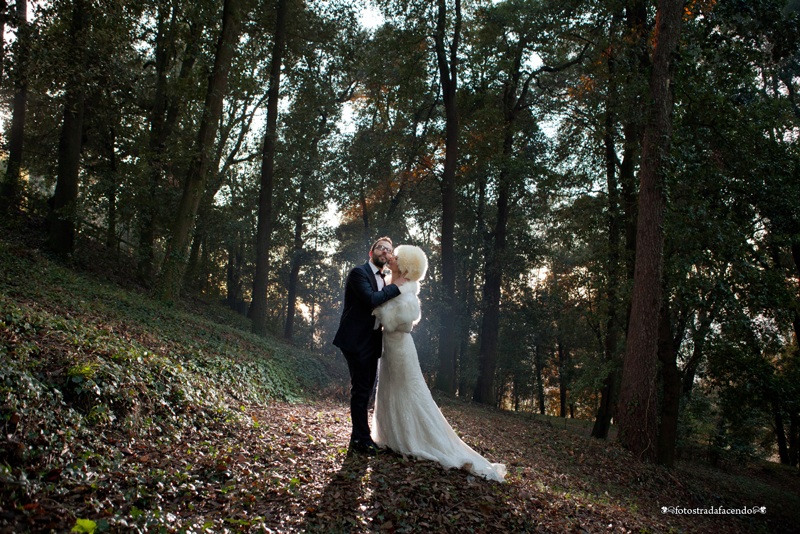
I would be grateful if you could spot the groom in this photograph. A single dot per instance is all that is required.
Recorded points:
(360, 339)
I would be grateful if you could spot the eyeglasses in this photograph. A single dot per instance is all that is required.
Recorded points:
(383, 248)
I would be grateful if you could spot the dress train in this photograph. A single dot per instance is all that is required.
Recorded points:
(406, 418)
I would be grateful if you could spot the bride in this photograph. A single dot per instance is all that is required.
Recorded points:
(406, 418)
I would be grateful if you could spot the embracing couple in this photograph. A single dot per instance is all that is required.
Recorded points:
(379, 312)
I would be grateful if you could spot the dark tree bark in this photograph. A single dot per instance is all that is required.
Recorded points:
(258, 311)
(448, 76)
(298, 252)
(538, 368)
(3, 16)
(297, 262)
(159, 133)
(111, 188)
(794, 438)
(197, 270)
(780, 433)
(637, 411)
(365, 214)
(61, 219)
(233, 279)
(13, 183)
(602, 422)
(169, 284)
(478, 244)
(495, 262)
(62, 215)
(490, 324)
(164, 120)
(563, 378)
(196, 275)
(192, 278)
(493, 278)
(515, 93)
(699, 337)
(638, 33)
(794, 416)
(627, 175)
(671, 392)
(796, 322)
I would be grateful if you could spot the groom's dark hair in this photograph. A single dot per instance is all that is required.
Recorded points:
(375, 244)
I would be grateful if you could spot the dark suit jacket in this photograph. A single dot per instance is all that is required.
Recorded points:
(356, 332)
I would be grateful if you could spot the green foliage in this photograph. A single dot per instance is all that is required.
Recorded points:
(85, 362)
(86, 525)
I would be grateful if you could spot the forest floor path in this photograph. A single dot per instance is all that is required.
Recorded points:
(559, 480)
(285, 468)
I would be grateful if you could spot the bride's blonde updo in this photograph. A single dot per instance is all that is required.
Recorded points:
(412, 261)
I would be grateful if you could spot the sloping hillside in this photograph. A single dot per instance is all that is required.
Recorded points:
(121, 414)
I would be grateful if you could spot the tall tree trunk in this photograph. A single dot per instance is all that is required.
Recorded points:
(169, 283)
(630, 209)
(13, 183)
(233, 279)
(196, 275)
(3, 16)
(111, 215)
(780, 433)
(796, 322)
(111, 190)
(197, 270)
(495, 262)
(193, 274)
(637, 411)
(297, 262)
(622, 210)
(365, 214)
(699, 337)
(638, 33)
(62, 215)
(448, 75)
(794, 416)
(159, 133)
(563, 378)
(538, 365)
(477, 246)
(258, 310)
(61, 219)
(298, 253)
(794, 437)
(602, 422)
(163, 120)
(671, 380)
(493, 278)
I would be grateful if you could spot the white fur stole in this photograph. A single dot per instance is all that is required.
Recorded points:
(402, 312)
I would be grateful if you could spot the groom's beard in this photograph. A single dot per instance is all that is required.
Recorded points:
(378, 262)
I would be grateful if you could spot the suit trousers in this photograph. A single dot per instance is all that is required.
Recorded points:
(363, 371)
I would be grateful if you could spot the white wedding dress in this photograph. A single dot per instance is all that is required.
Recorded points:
(406, 418)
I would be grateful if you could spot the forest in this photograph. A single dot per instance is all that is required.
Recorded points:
(607, 191)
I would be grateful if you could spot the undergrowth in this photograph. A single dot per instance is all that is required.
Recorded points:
(88, 362)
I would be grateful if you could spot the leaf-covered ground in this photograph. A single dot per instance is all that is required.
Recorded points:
(283, 468)
(120, 414)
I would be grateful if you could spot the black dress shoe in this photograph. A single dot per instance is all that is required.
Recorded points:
(370, 448)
